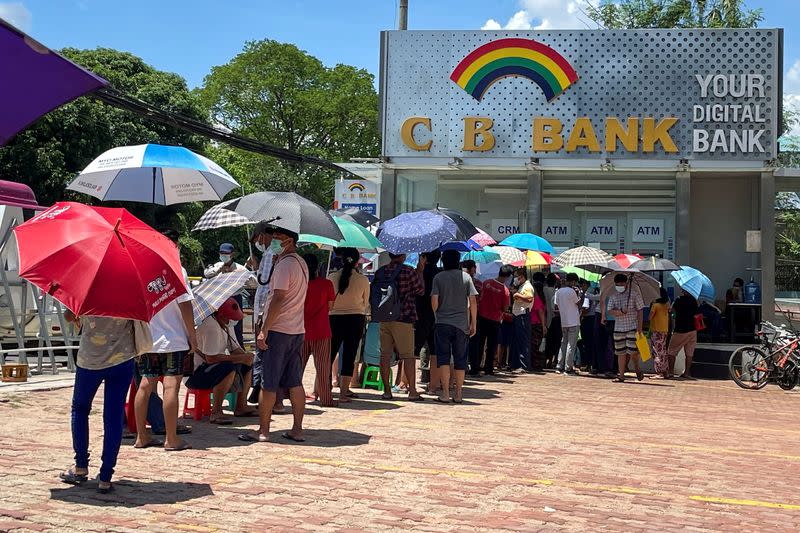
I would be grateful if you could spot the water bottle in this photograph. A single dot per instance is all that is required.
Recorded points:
(752, 292)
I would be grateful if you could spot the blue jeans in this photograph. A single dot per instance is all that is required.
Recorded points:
(521, 343)
(117, 381)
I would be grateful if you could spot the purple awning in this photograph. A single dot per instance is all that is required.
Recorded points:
(35, 80)
(18, 194)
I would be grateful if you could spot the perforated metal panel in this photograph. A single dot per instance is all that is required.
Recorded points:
(625, 73)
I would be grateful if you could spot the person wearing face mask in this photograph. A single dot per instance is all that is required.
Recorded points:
(626, 305)
(520, 358)
(227, 264)
(262, 240)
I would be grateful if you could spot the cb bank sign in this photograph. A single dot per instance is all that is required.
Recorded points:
(631, 93)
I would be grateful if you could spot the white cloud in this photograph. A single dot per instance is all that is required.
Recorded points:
(791, 81)
(544, 15)
(17, 14)
(792, 101)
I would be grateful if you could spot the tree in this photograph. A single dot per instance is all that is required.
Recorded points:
(49, 154)
(612, 14)
(279, 94)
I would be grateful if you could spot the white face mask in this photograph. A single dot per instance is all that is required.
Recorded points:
(225, 258)
(260, 247)
(619, 289)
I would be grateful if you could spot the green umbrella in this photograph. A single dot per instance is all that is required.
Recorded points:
(481, 257)
(585, 274)
(355, 236)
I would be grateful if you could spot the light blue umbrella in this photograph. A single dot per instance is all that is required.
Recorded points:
(528, 241)
(154, 174)
(695, 283)
(481, 257)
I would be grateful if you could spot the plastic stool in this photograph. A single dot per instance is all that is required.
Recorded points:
(130, 412)
(201, 404)
(230, 398)
(372, 378)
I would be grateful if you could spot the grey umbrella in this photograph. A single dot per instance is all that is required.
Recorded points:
(655, 264)
(354, 214)
(286, 210)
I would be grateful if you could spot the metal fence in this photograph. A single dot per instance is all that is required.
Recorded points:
(787, 277)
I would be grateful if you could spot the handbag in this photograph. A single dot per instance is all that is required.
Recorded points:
(699, 322)
(643, 346)
(142, 337)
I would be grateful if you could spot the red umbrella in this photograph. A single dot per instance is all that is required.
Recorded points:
(626, 260)
(99, 261)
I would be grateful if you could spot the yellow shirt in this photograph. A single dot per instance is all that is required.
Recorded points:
(355, 300)
(659, 318)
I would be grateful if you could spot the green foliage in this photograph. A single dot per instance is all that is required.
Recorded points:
(787, 241)
(279, 94)
(617, 14)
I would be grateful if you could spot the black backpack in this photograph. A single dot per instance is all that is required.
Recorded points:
(384, 296)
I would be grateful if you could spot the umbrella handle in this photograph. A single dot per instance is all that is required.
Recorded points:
(116, 232)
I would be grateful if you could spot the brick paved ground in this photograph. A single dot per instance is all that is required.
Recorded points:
(524, 453)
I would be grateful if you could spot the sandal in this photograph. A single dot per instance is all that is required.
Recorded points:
(249, 437)
(221, 421)
(439, 400)
(639, 376)
(105, 490)
(71, 478)
(289, 436)
(617, 380)
(183, 446)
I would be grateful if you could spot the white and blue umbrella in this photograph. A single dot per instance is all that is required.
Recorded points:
(154, 174)
(421, 231)
(695, 283)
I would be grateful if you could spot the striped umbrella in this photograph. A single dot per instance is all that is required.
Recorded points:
(220, 217)
(626, 260)
(582, 255)
(507, 254)
(212, 293)
(483, 238)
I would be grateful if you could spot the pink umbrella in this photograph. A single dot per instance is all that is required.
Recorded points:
(483, 238)
(625, 260)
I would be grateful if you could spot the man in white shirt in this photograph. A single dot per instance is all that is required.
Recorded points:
(569, 303)
(173, 341)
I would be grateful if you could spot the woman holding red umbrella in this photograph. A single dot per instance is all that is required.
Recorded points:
(93, 256)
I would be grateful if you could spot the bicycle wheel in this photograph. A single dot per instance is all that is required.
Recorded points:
(790, 377)
(750, 367)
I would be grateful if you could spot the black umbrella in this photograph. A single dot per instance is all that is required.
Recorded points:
(466, 230)
(655, 264)
(354, 214)
(286, 210)
(601, 267)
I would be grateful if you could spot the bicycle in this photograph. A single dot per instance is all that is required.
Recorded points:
(776, 359)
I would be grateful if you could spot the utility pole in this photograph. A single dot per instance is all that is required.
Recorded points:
(402, 15)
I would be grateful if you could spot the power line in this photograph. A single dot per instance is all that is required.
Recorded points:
(116, 98)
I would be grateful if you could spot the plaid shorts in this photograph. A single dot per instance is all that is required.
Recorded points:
(154, 365)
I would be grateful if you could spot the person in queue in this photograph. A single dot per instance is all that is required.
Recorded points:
(280, 339)
(568, 301)
(659, 330)
(262, 240)
(221, 364)
(553, 337)
(317, 341)
(348, 317)
(538, 326)
(522, 301)
(626, 306)
(105, 356)
(174, 340)
(397, 335)
(684, 336)
(227, 264)
(588, 344)
(454, 302)
(424, 345)
(491, 307)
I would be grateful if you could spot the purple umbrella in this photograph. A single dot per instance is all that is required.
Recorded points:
(36, 80)
(422, 231)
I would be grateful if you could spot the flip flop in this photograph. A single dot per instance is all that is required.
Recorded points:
(71, 478)
(439, 400)
(184, 446)
(417, 399)
(288, 436)
(617, 380)
(248, 437)
(152, 443)
(105, 490)
(458, 401)
(248, 414)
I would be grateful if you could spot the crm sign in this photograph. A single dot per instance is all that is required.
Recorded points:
(504, 227)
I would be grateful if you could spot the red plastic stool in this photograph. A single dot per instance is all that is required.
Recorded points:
(201, 404)
(130, 412)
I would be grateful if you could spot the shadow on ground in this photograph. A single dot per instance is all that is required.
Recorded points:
(130, 493)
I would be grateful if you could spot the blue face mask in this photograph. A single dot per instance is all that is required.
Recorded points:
(225, 258)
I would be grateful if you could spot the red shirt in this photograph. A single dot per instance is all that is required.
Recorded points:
(495, 299)
(538, 305)
(319, 294)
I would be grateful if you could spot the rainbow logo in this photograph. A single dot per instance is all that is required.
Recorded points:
(356, 187)
(525, 58)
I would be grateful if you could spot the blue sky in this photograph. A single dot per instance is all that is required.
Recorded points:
(191, 36)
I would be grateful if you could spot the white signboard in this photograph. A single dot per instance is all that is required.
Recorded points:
(648, 230)
(601, 230)
(557, 229)
(361, 194)
(504, 227)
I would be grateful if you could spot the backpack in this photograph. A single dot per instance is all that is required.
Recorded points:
(384, 296)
